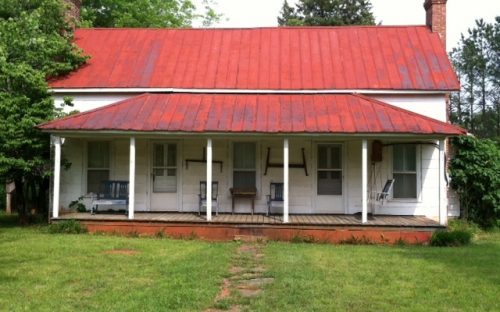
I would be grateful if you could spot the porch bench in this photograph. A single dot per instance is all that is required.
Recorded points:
(275, 197)
(111, 193)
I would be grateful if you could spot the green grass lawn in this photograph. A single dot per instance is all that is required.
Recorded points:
(312, 277)
(64, 272)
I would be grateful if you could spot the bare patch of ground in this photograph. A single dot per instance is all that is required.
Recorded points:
(246, 278)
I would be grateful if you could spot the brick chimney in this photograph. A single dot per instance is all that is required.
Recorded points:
(435, 17)
(74, 9)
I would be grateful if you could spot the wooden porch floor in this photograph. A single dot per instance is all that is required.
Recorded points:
(244, 219)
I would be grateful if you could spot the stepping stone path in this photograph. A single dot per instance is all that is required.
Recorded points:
(246, 278)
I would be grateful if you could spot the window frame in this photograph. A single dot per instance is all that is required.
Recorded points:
(341, 168)
(256, 166)
(86, 162)
(417, 174)
(166, 167)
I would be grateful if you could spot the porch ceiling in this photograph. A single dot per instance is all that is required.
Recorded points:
(253, 113)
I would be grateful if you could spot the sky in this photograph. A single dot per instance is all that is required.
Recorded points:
(461, 14)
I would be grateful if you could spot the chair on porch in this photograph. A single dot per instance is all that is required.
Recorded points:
(202, 196)
(111, 193)
(275, 197)
(382, 196)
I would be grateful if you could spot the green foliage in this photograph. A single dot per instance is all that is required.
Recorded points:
(477, 62)
(475, 175)
(451, 238)
(327, 13)
(145, 13)
(66, 227)
(35, 44)
(463, 225)
(77, 205)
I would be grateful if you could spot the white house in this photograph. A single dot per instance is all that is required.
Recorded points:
(333, 113)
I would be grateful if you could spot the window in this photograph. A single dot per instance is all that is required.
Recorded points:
(244, 165)
(330, 169)
(97, 164)
(404, 169)
(164, 168)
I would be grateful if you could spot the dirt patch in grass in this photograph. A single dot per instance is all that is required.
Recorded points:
(127, 252)
(246, 278)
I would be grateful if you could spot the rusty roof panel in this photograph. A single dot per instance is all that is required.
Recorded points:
(283, 58)
(247, 113)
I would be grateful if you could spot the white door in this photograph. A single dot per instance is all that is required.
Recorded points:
(164, 177)
(329, 179)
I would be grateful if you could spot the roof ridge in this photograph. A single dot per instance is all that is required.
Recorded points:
(408, 111)
(253, 27)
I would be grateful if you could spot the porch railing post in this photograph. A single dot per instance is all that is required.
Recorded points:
(285, 181)
(57, 177)
(443, 211)
(209, 179)
(131, 186)
(364, 181)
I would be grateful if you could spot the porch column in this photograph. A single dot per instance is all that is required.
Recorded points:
(57, 177)
(443, 211)
(285, 181)
(131, 178)
(209, 179)
(364, 181)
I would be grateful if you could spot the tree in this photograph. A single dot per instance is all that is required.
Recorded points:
(476, 61)
(35, 44)
(475, 175)
(327, 13)
(145, 13)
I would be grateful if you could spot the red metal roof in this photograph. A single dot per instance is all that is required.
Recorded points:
(244, 113)
(285, 58)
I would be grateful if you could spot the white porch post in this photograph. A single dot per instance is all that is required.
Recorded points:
(209, 179)
(57, 177)
(443, 211)
(364, 181)
(131, 186)
(285, 181)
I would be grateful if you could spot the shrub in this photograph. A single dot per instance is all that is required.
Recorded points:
(475, 175)
(67, 227)
(464, 225)
(78, 205)
(451, 238)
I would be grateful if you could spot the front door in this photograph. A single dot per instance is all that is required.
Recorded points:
(329, 179)
(164, 177)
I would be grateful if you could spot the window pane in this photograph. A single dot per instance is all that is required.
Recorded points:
(335, 157)
(244, 155)
(411, 158)
(158, 155)
(94, 179)
(172, 155)
(404, 157)
(98, 155)
(329, 182)
(398, 157)
(329, 157)
(244, 179)
(322, 157)
(405, 185)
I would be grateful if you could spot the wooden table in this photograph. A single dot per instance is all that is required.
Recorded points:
(243, 193)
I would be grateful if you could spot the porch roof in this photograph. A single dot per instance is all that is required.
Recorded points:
(252, 113)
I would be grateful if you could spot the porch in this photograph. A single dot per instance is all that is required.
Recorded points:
(324, 220)
(320, 228)
(333, 165)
